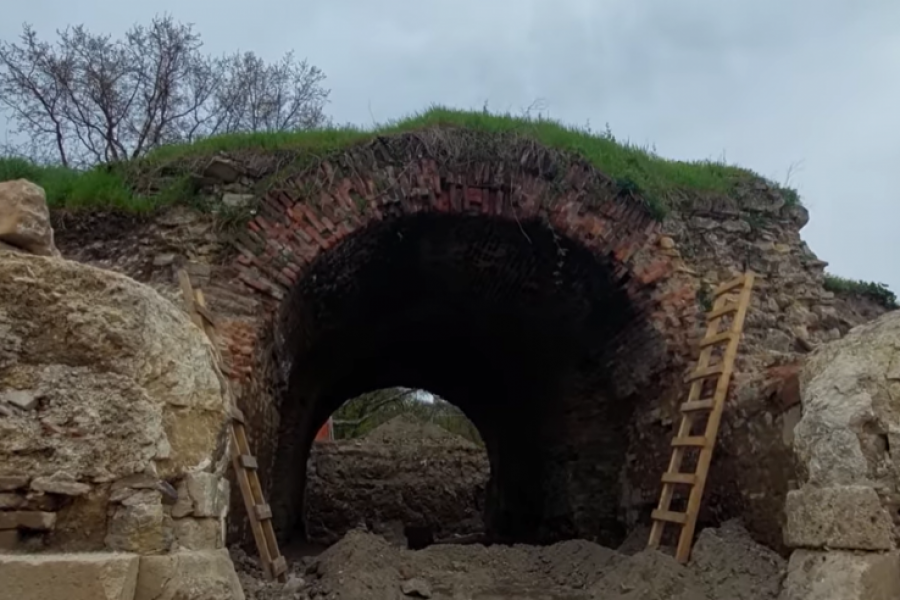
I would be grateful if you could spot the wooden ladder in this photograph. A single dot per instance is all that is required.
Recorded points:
(695, 408)
(245, 464)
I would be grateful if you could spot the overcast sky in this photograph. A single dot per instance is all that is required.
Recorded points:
(764, 83)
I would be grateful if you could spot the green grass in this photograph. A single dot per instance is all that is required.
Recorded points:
(664, 183)
(878, 292)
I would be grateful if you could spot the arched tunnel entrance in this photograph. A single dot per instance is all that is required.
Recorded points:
(522, 328)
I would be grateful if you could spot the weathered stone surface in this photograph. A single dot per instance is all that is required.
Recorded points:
(851, 408)
(23, 399)
(11, 501)
(816, 575)
(416, 587)
(237, 200)
(126, 382)
(138, 527)
(25, 218)
(188, 575)
(95, 576)
(13, 482)
(198, 534)
(27, 519)
(201, 494)
(845, 518)
(204, 492)
(847, 439)
(55, 485)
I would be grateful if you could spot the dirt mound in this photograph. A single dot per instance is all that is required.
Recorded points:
(735, 567)
(727, 565)
(650, 575)
(404, 429)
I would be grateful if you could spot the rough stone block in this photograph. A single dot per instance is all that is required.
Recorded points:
(25, 218)
(138, 528)
(188, 575)
(845, 518)
(204, 492)
(197, 534)
(27, 519)
(65, 487)
(10, 501)
(9, 483)
(95, 576)
(814, 575)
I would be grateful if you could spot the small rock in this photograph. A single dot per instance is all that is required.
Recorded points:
(237, 200)
(222, 169)
(294, 584)
(163, 260)
(25, 218)
(24, 399)
(61, 486)
(416, 588)
(666, 243)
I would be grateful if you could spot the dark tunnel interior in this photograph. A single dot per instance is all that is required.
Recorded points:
(512, 322)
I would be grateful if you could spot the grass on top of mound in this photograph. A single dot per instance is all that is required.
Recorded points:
(663, 183)
(877, 292)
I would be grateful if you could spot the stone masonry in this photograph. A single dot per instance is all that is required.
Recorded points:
(112, 452)
(667, 269)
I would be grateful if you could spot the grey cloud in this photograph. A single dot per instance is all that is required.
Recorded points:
(766, 83)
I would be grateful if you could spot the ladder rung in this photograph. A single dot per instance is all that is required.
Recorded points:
(237, 415)
(730, 285)
(279, 566)
(721, 311)
(669, 515)
(698, 441)
(679, 478)
(704, 373)
(249, 462)
(712, 340)
(263, 512)
(698, 405)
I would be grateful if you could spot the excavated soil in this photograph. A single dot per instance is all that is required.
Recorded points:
(403, 474)
(726, 565)
(405, 430)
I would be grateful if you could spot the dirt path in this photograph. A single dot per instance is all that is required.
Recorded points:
(726, 565)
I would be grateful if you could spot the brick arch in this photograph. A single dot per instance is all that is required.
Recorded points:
(303, 250)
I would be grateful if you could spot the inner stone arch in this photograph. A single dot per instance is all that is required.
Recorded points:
(525, 329)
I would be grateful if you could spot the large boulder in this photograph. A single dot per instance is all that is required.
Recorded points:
(110, 403)
(25, 218)
(848, 442)
(188, 575)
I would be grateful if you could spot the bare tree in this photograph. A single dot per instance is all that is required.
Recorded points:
(89, 99)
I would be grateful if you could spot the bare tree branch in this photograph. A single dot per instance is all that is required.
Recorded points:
(93, 99)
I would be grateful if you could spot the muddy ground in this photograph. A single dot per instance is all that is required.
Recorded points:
(726, 565)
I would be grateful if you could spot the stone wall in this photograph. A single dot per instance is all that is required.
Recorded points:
(672, 267)
(843, 521)
(110, 404)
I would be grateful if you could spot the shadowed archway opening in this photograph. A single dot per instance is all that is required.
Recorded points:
(519, 326)
(404, 463)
